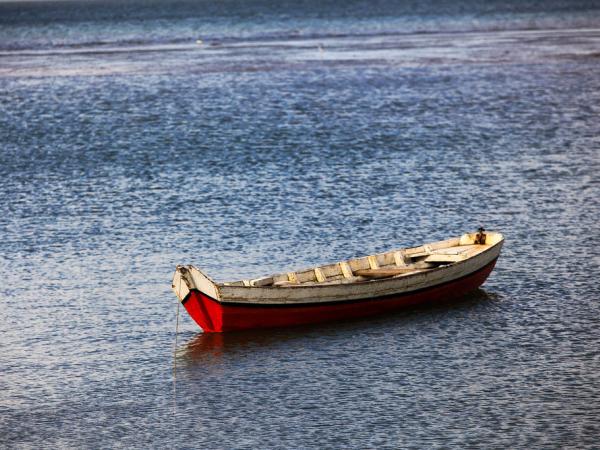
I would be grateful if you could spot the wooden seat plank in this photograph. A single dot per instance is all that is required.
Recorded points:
(384, 272)
(443, 258)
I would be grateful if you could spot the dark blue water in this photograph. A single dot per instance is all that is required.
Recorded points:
(296, 133)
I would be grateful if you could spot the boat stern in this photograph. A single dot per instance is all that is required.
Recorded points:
(481, 237)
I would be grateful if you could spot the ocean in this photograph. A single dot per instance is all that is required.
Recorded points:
(248, 137)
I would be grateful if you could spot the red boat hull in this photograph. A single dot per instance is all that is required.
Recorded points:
(213, 316)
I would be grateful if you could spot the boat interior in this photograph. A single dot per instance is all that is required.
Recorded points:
(391, 264)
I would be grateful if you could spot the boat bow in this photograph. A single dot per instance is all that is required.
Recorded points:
(188, 278)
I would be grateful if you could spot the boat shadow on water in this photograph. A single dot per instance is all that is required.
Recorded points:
(212, 348)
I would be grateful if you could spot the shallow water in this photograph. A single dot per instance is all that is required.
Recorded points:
(292, 137)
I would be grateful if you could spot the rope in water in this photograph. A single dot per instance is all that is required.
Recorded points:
(176, 333)
(175, 355)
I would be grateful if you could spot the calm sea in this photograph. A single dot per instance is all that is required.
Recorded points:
(247, 137)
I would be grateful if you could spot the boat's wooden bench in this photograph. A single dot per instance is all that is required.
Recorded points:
(383, 265)
(385, 272)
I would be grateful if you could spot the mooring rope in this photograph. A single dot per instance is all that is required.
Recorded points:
(175, 355)
(176, 333)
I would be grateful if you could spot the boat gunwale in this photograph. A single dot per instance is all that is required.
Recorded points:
(409, 275)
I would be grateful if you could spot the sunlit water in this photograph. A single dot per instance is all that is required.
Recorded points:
(296, 134)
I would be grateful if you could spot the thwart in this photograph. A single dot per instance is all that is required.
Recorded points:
(358, 287)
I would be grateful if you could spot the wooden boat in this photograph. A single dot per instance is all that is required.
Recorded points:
(373, 284)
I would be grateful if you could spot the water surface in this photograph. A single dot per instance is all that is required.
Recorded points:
(296, 134)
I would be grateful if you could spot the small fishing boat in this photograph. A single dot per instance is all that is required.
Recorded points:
(358, 287)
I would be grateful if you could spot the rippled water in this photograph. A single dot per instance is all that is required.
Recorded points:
(282, 142)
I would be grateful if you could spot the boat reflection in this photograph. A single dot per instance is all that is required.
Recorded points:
(214, 347)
